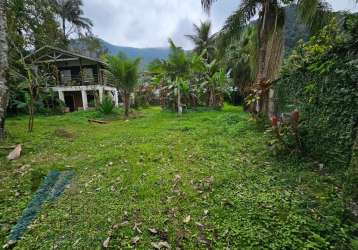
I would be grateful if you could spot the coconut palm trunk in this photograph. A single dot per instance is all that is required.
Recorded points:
(3, 69)
(126, 101)
(263, 40)
(180, 108)
(270, 53)
(64, 28)
(211, 101)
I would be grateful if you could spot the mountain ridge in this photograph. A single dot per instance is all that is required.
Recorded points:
(147, 54)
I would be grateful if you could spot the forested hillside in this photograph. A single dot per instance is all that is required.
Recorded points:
(294, 29)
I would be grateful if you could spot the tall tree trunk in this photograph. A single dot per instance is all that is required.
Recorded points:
(3, 69)
(211, 98)
(263, 35)
(263, 39)
(126, 103)
(180, 108)
(64, 28)
(270, 54)
(31, 108)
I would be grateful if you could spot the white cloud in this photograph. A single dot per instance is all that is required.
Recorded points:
(149, 23)
(141, 23)
(349, 5)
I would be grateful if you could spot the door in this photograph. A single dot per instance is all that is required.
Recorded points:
(70, 102)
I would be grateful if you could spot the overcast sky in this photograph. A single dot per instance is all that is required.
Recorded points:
(149, 23)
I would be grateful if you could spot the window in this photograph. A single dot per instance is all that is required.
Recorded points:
(88, 75)
(66, 76)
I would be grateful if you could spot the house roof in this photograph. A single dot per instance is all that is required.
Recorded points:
(50, 54)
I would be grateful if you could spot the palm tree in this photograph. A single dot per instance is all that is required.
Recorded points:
(3, 69)
(125, 73)
(173, 74)
(270, 23)
(203, 40)
(71, 11)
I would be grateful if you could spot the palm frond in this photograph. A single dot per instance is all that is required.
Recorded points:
(206, 4)
(237, 22)
(193, 38)
(196, 29)
(203, 39)
(71, 10)
(124, 71)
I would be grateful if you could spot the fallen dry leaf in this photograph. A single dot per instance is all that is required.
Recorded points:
(210, 179)
(203, 240)
(136, 227)
(187, 219)
(160, 245)
(9, 244)
(153, 230)
(155, 245)
(135, 240)
(15, 154)
(106, 242)
(176, 180)
(124, 223)
(199, 224)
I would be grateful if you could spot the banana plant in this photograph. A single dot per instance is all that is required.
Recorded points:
(215, 85)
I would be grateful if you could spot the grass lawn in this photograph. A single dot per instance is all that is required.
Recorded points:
(203, 180)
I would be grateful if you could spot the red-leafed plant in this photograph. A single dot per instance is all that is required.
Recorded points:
(286, 131)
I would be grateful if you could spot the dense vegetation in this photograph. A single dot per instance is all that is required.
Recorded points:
(189, 80)
(320, 80)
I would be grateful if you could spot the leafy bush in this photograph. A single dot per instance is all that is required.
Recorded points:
(47, 103)
(320, 80)
(107, 105)
(286, 130)
(144, 97)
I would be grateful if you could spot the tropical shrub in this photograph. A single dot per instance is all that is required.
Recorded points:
(286, 130)
(107, 105)
(145, 96)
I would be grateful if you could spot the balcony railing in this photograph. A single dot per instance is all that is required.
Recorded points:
(77, 80)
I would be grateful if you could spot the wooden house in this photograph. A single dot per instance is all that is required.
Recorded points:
(79, 80)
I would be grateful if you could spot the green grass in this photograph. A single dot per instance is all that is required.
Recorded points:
(155, 171)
